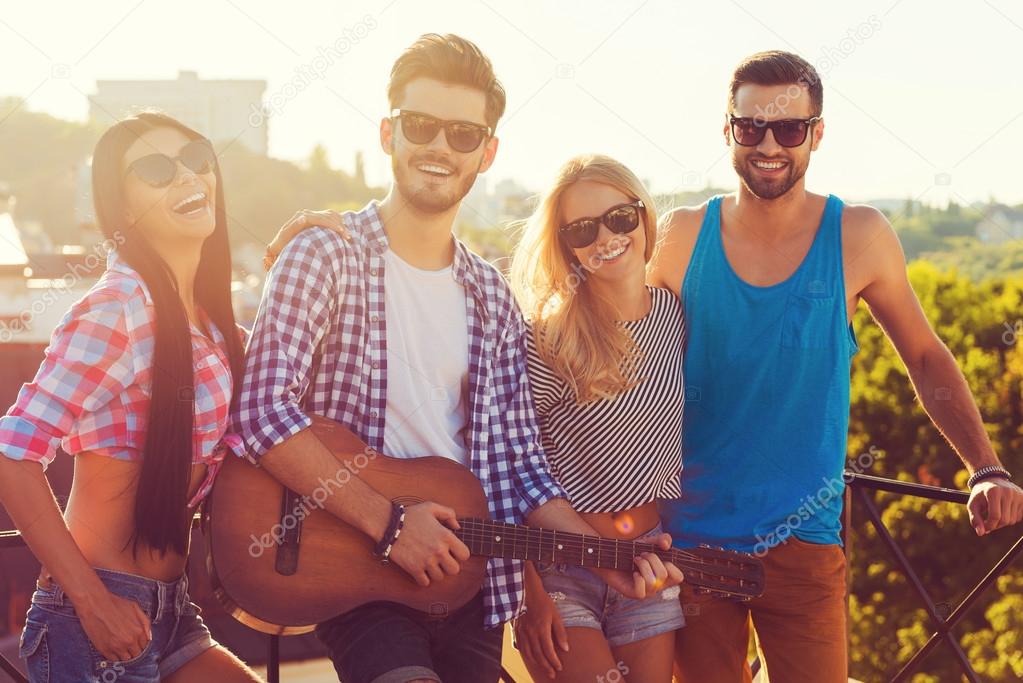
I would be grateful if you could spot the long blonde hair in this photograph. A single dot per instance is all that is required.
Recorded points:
(576, 330)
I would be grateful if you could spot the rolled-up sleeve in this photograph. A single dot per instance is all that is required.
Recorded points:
(534, 483)
(89, 361)
(297, 305)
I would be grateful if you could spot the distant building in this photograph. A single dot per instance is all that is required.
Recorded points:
(1000, 224)
(223, 110)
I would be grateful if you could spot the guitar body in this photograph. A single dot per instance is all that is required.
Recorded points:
(335, 570)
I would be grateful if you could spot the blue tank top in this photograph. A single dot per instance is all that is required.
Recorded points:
(767, 397)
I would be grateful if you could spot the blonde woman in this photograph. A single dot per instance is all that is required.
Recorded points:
(605, 364)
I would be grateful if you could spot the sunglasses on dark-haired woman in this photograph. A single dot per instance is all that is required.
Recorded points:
(159, 170)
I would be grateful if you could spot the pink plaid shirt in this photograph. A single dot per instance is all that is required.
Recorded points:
(91, 392)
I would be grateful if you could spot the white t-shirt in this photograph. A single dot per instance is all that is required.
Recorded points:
(427, 362)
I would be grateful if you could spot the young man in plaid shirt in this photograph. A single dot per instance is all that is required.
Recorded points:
(416, 344)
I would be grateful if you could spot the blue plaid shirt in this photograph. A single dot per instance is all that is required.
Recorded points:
(325, 298)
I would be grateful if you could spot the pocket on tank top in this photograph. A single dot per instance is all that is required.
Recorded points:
(807, 323)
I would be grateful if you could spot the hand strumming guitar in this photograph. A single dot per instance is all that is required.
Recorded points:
(427, 548)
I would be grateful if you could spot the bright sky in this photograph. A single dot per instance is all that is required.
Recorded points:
(923, 98)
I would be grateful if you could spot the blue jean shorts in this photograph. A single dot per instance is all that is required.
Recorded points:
(57, 650)
(585, 601)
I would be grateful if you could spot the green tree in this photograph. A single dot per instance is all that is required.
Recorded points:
(887, 622)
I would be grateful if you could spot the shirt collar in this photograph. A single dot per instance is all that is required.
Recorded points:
(117, 264)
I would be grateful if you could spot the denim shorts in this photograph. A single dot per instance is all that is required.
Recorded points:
(585, 601)
(57, 650)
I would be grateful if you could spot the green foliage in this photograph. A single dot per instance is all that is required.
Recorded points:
(38, 158)
(947, 237)
(887, 622)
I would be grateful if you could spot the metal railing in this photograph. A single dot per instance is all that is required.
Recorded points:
(861, 488)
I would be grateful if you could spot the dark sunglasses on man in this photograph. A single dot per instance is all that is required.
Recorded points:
(159, 170)
(620, 220)
(750, 132)
(419, 129)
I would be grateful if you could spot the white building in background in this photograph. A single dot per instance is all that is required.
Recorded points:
(222, 110)
(1000, 224)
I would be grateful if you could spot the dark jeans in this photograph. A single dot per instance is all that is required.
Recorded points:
(383, 642)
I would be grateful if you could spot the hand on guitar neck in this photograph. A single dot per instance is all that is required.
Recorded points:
(650, 573)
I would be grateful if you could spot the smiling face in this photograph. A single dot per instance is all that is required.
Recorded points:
(184, 210)
(432, 176)
(611, 257)
(769, 170)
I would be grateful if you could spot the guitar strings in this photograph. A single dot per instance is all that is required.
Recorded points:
(478, 532)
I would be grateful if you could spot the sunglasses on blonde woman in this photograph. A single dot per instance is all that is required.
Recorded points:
(620, 220)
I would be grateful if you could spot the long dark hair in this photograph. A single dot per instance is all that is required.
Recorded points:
(162, 495)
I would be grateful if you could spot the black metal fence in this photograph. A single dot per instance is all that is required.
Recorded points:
(859, 494)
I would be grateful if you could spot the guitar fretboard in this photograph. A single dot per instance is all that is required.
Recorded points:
(516, 541)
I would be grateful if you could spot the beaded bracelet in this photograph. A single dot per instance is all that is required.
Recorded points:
(987, 473)
(386, 544)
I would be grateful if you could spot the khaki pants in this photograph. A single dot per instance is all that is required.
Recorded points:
(800, 622)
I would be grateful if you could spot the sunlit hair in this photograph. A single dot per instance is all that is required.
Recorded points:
(576, 330)
(777, 67)
(450, 59)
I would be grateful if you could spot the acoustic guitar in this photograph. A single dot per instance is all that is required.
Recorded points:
(281, 564)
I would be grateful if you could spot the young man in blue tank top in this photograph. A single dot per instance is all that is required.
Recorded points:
(770, 277)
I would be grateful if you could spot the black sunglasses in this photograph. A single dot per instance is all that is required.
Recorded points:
(419, 129)
(159, 170)
(787, 132)
(620, 220)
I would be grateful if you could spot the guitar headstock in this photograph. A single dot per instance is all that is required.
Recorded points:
(723, 573)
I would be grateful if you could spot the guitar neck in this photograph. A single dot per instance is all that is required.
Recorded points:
(491, 538)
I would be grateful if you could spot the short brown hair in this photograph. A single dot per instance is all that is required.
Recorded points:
(777, 67)
(450, 59)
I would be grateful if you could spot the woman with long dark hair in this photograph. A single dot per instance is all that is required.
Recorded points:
(136, 384)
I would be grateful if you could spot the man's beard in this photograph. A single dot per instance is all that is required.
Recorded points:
(763, 188)
(428, 198)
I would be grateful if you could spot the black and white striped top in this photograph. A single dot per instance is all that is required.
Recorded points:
(615, 454)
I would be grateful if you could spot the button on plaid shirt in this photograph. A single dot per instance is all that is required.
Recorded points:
(320, 337)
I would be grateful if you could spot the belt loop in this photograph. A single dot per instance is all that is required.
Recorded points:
(181, 596)
(161, 600)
